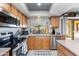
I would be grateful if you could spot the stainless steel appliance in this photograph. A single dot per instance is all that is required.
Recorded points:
(8, 41)
(8, 19)
(53, 42)
(17, 51)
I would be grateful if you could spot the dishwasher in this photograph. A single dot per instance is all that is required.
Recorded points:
(53, 43)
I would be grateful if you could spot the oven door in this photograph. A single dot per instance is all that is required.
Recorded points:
(17, 51)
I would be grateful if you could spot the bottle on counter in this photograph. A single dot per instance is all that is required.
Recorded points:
(53, 31)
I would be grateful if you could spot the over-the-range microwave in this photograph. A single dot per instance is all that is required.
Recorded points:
(7, 19)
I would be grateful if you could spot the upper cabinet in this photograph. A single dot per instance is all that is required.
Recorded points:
(54, 21)
(6, 6)
(24, 21)
(20, 17)
(14, 11)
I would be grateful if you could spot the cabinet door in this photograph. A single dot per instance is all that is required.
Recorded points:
(64, 51)
(46, 43)
(20, 16)
(31, 43)
(55, 21)
(14, 10)
(38, 43)
(24, 21)
(6, 6)
(60, 53)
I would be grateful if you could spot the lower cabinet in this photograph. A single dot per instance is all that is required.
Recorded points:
(38, 42)
(30, 43)
(46, 42)
(62, 51)
(62, 37)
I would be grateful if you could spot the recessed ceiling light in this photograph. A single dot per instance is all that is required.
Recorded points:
(39, 4)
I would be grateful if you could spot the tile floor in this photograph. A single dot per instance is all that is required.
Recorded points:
(42, 53)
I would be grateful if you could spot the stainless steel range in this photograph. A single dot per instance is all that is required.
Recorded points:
(11, 42)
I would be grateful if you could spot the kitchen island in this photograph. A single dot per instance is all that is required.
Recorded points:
(4, 51)
(68, 47)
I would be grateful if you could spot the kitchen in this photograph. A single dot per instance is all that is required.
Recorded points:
(39, 29)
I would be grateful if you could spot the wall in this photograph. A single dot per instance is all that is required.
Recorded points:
(43, 21)
(63, 25)
(76, 35)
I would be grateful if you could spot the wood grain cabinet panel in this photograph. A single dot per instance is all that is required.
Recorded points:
(62, 37)
(6, 6)
(60, 53)
(24, 21)
(38, 42)
(46, 43)
(14, 11)
(63, 51)
(55, 21)
(31, 43)
(20, 16)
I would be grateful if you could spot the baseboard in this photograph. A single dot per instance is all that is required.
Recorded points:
(52, 49)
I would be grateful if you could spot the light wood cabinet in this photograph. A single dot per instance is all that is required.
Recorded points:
(24, 21)
(62, 51)
(20, 16)
(31, 42)
(62, 37)
(38, 42)
(14, 11)
(55, 21)
(46, 42)
(6, 6)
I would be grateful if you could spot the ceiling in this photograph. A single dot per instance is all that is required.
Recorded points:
(46, 9)
(35, 7)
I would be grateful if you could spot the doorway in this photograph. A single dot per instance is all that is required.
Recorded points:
(72, 25)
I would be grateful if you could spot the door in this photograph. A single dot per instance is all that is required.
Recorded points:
(69, 29)
(38, 43)
(46, 43)
(31, 42)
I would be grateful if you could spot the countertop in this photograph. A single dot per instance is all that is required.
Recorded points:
(3, 51)
(72, 45)
(43, 35)
(24, 36)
